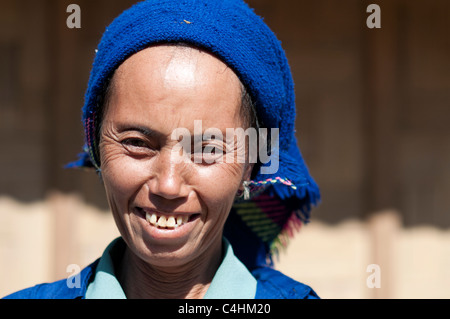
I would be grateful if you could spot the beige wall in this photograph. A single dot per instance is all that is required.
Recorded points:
(414, 262)
(39, 240)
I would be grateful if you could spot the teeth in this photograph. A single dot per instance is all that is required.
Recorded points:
(166, 222)
(162, 221)
(171, 222)
(151, 218)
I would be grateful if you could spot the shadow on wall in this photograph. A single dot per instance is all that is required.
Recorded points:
(372, 103)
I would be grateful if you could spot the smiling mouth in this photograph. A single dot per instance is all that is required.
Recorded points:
(164, 221)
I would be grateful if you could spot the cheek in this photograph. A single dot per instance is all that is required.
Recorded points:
(218, 184)
(215, 185)
(122, 176)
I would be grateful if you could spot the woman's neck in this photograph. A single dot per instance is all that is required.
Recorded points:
(141, 280)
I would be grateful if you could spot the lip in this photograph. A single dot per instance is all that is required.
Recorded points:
(167, 233)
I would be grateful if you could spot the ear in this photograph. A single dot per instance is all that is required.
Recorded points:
(247, 174)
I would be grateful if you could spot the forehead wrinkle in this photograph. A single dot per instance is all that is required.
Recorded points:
(181, 63)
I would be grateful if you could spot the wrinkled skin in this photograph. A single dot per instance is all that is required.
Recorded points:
(152, 93)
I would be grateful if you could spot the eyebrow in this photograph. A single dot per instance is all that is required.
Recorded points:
(148, 132)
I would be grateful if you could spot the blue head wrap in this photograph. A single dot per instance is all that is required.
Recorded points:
(279, 201)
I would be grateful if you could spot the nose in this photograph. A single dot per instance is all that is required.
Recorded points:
(168, 178)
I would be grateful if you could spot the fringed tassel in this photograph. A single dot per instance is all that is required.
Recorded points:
(297, 198)
(300, 198)
(280, 243)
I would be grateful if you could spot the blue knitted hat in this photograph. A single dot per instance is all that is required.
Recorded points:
(279, 202)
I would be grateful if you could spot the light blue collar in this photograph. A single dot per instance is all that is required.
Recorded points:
(232, 279)
(105, 284)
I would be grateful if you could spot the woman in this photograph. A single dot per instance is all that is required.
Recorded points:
(198, 216)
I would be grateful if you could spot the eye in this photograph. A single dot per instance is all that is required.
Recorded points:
(209, 154)
(138, 147)
(134, 142)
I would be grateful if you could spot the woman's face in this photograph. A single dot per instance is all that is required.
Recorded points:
(170, 209)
